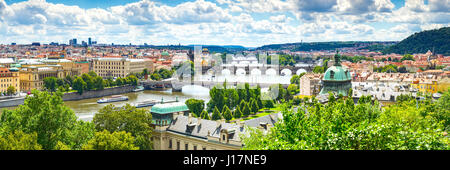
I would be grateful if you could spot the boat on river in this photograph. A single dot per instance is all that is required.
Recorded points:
(115, 98)
(145, 103)
(139, 88)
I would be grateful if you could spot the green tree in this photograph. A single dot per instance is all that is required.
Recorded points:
(254, 107)
(246, 110)
(89, 81)
(50, 83)
(79, 85)
(11, 90)
(226, 113)
(105, 140)
(18, 140)
(216, 114)
(133, 80)
(237, 113)
(295, 79)
(196, 106)
(129, 119)
(205, 115)
(98, 83)
(46, 115)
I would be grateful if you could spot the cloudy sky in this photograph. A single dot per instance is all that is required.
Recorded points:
(249, 23)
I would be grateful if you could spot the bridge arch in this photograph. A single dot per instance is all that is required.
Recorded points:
(271, 72)
(255, 72)
(240, 72)
(226, 72)
(286, 72)
(300, 71)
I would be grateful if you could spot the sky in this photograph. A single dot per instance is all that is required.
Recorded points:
(249, 23)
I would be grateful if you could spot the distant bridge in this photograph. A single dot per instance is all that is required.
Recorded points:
(168, 84)
(255, 70)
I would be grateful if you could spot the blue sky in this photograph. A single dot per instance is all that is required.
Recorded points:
(223, 22)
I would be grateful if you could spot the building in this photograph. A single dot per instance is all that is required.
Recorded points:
(336, 79)
(425, 85)
(310, 84)
(176, 129)
(9, 77)
(32, 77)
(119, 67)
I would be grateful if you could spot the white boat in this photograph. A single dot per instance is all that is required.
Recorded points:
(145, 103)
(139, 88)
(115, 98)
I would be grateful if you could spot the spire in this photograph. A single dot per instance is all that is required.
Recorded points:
(337, 59)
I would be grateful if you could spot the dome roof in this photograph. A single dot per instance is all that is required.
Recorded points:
(337, 73)
(169, 108)
(165, 53)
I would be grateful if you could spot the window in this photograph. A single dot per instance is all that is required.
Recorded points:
(170, 143)
(332, 74)
(204, 148)
(195, 147)
(178, 145)
(186, 146)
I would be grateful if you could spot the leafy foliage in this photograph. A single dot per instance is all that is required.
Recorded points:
(341, 125)
(105, 140)
(128, 119)
(46, 116)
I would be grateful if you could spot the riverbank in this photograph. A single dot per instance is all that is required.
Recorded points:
(73, 96)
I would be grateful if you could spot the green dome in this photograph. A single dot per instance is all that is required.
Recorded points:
(337, 73)
(165, 53)
(169, 108)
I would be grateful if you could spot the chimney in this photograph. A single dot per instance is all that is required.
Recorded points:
(269, 126)
(190, 118)
(175, 115)
(199, 121)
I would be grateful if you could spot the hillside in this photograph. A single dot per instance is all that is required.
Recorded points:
(317, 46)
(421, 42)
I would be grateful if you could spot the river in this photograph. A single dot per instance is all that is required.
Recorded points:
(86, 109)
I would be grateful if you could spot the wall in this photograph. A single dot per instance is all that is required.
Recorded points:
(96, 94)
(73, 96)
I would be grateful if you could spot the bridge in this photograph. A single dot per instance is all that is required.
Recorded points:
(178, 85)
(256, 70)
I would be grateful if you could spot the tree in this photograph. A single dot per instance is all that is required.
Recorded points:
(19, 140)
(105, 140)
(46, 115)
(268, 103)
(205, 115)
(216, 114)
(155, 76)
(98, 83)
(226, 113)
(318, 69)
(79, 85)
(129, 119)
(246, 110)
(254, 107)
(295, 79)
(50, 83)
(11, 90)
(196, 106)
(89, 81)
(133, 80)
(237, 113)
(345, 126)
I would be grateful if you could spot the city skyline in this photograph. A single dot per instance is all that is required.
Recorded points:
(249, 23)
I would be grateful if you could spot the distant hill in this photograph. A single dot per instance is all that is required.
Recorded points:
(317, 46)
(421, 42)
(211, 48)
